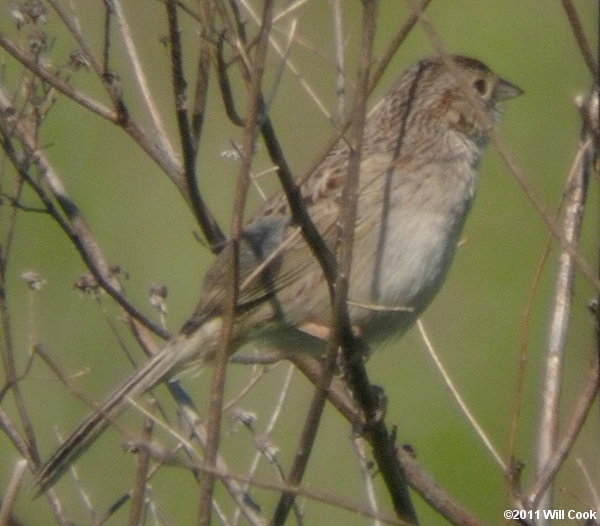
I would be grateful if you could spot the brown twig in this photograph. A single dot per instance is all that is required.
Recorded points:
(556, 459)
(25, 445)
(579, 34)
(341, 329)
(208, 17)
(74, 225)
(342, 334)
(418, 479)
(224, 348)
(138, 491)
(189, 145)
(225, 85)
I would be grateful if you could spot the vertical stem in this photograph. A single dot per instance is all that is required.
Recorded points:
(213, 429)
(574, 203)
(338, 31)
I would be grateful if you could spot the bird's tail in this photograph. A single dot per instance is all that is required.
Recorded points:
(172, 356)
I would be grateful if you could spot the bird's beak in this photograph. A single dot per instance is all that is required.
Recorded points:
(506, 90)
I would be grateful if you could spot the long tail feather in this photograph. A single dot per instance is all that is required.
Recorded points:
(172, 355)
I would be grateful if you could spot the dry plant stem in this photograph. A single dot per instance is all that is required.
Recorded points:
(277, 411)
(338, 32)
(459, 400)
(207, 18)
(140, 77)
(366, 472)
(589, 480)
(573, 428)
(75, 226)
(574, 205)
(189, 146)
(341, 330)
(525, 325)
(591, 116)
(419, 480)
(224, 350)
(520, 375)
(579, 34)
(26, 445)
(10, 430)
(139, 486)
(168, 164)
(433, 494)
(10, 495)
(108, 10)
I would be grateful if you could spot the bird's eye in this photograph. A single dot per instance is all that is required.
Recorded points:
(480, 86)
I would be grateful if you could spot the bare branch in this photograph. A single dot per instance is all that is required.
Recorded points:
(224, 349)
(579, 34)
(574, 206)
(209, 226)
(557, 457)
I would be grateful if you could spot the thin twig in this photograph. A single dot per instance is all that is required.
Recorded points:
(277, 411)
(341, 333)
(459, 400)
(141, 79)
(340, 69)
(574, 206)
(207, 19)
(224, 347)
(138, 491)
(207, 223)
(418, 479)
(579, 34)
(290, 64)
(366, 472)
(9, 496)
(75, 226)
(562, 448)
(168, 164)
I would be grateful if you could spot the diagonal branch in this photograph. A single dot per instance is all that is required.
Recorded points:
(189, 146)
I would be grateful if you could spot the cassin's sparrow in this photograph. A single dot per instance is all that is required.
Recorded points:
(422, 148)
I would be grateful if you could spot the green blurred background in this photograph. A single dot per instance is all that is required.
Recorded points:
(476, 322)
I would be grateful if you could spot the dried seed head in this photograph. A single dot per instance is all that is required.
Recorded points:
(33, 279)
